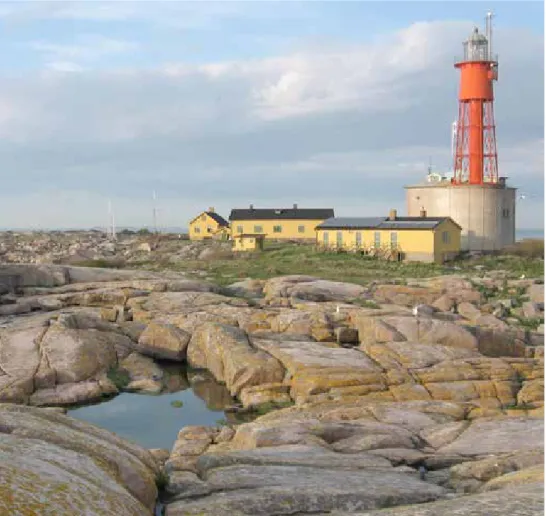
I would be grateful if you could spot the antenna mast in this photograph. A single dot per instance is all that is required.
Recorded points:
(112, 221)
(154, 210)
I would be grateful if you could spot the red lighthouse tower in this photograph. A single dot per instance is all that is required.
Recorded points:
(476, 147)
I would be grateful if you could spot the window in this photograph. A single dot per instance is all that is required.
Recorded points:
(197, 230)
(358, 239)
(325, 237)
(209, 229)
(301, 229)
(506, 213)
(445, 237)
(339, 238)
(377, 239)
(258, 229)
(203, 217)
(239, 229)
(277, 229)
(394, 240)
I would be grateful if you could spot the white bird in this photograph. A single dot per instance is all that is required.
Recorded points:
(337, 309)
(415, 310)
(522, 276)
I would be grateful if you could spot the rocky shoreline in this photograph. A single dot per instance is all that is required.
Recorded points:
(393, 394)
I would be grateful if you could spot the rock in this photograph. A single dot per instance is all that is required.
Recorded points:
(444, 303)
(531, 392)
(524, 500)
(291, 454)
(497, 343)
(405, 295)
(426, 331)
(346, 335)
(109, 314)
(442, 435)
(536, 293)
(494, 436)
(163, 341)
(314, 323)
(46, 452)
(275, 490)
(468, 311)
(73, 393)
(248, 288)
(306, 363)
(77, 355)
(519, 478)
(160, 455)
(145, 374)
(33, 275)
(227, 353)
(145, 247)
(531, 310)
(265, 393)
(23, 307)
(492, 467)
(225, 435)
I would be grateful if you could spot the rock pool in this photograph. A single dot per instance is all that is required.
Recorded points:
(151, 420)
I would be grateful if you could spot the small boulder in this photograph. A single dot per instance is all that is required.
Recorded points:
(164, 341)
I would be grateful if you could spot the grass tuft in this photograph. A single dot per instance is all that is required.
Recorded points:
(119, 377)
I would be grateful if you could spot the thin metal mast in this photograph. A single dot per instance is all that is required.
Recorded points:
(154, 198)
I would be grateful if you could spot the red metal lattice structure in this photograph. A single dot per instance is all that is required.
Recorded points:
(476, 147)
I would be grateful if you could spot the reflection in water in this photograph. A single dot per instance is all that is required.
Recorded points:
(214, 394)
(151, 420)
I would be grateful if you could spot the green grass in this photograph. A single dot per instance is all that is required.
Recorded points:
(119, 377)
(366, 303)
(161, 480)
(531, 323)
(102, 264)
(269, 406)
(285, 259)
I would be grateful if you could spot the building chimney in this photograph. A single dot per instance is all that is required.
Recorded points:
(295, 206)
(423, 212)
(252, 206)
(392, 215)
(211, 209)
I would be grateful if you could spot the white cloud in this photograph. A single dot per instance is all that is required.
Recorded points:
(87, 48)
(346, 126)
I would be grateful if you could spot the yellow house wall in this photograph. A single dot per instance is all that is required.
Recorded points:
(453, 246)
(420, 245)
(407, 240)
(289, 228)
(203, 222)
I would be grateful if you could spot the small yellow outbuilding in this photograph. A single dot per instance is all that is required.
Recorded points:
(209, 225)
(248, 242)
(424, 239)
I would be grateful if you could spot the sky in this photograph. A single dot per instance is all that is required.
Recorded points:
(225, 104)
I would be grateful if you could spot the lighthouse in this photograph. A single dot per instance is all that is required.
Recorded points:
(476, 197)
(476, 146)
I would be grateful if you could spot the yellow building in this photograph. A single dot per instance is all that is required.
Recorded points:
(209, 225)
(248, 242)
(424, 239)
(279, 224)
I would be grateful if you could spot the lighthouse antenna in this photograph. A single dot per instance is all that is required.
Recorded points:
(489, 34)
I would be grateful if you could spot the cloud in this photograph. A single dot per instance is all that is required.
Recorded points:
(345, 127)
(87, 49)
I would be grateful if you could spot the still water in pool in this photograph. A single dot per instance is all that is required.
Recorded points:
(151, 420)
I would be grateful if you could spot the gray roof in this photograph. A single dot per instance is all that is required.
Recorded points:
(281, 214)
(382, 223)
(351, 222)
